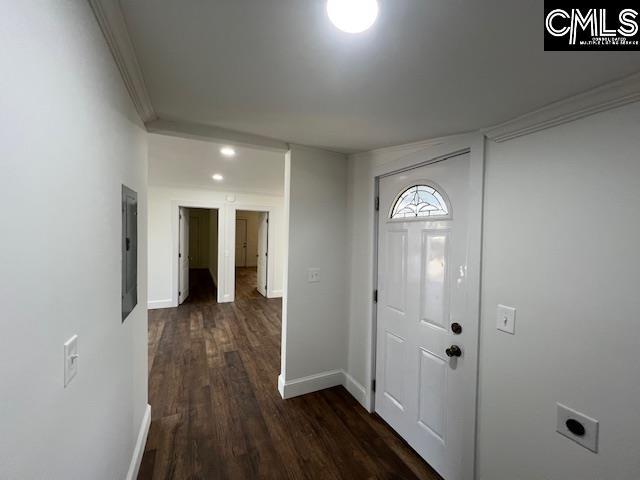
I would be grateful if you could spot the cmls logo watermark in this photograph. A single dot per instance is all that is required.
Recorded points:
(606, 28)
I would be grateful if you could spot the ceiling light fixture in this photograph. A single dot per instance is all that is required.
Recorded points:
(228, 152)
(352, 16)
(217, 177)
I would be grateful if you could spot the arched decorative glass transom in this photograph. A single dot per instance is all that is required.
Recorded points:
(420, 201)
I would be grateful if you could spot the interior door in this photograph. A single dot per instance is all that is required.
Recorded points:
(183, 255)
(241, 242)
(263, 247)
(426, 333)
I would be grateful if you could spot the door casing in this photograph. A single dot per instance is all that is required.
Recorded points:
(432, 152)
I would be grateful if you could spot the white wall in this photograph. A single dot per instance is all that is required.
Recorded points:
(315, 314)
(70, 139)
(162, 206)
(561, 230)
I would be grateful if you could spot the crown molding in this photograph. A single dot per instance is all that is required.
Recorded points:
(211, 133)
(312, 148)
(409, 147)
(611, 95)
(109, 15)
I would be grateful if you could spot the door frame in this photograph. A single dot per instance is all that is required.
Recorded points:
(175, 262)
(425, 154)
(269, 210)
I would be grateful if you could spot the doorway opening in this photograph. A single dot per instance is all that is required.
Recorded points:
(251, 254)
(198, 255)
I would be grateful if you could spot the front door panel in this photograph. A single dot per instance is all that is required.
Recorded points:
(422, 261)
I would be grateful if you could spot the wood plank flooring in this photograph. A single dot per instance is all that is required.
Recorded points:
(217, 413)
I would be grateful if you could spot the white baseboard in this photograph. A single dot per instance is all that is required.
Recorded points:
(138, 451)
(281, 385)
(320, 381)
(356, 390)
(274, 294)
(155, 304)
(312, 383)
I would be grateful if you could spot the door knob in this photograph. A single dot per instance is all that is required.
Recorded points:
(453, 351)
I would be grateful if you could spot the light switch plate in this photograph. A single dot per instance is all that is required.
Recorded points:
(586, 427)
(506, 319)
(70, 359)
(313, 275)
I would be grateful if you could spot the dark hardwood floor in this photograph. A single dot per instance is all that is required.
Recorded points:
(216, 410)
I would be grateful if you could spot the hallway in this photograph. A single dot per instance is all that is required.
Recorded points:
(217, 413)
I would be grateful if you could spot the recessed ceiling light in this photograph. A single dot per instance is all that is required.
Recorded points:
(217, 177)
(352, 16)
(228, 152)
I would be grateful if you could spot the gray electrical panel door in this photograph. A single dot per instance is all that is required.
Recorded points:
(129, 251)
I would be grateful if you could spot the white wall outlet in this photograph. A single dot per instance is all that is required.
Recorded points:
(70, 359)
(578, 427)
(313, 275)
(506, 319)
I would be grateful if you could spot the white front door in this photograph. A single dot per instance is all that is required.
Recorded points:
(241, 242)
(263, 242)
(183, 255)
(425, 391)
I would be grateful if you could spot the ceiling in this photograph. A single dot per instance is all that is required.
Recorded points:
(188, 163)
(427, 68)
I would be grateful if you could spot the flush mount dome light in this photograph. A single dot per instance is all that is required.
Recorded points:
(217, 177)
(228, 152)
(352, 16)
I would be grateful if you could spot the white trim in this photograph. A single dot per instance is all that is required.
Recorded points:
(311, 383)
(114, 28)
(605, 97)
(155, 304)
(320, 381)
(355, 389)
(212, 133)
(138, 450)
(275, 294)
(311, 148)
